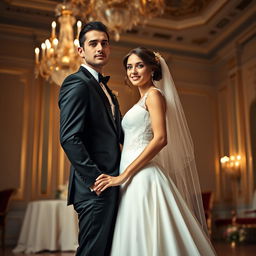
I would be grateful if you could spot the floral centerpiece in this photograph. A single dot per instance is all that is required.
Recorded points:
(234, 234)
(62, 192)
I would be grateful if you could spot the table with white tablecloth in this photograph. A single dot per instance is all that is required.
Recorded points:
(254, 200)
(48, 225)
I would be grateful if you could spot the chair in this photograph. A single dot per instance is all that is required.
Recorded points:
(5, 196)
(245, 221)
(246, 218)
(207, 198)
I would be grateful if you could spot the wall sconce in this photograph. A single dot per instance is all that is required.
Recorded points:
(232, 165)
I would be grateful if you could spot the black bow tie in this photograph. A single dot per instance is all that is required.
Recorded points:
(103, 79)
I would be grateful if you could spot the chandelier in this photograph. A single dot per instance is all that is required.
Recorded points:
(59, 57)
(118, 15)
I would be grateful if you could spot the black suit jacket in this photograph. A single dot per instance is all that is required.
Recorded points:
(89, 135)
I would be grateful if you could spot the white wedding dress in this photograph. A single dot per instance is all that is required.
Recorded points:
(153, 219)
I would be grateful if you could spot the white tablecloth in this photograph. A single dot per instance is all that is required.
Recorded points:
(254, 200)
(48, 225)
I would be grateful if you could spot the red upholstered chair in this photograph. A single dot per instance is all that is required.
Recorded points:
(247, 221)
(241, 219)
(207, 198)
(5, 196)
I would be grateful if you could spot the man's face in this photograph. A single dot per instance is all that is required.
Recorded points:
(95, 50)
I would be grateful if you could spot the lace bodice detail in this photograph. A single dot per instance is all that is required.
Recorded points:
(137, 127)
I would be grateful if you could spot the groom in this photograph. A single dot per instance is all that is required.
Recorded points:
(90, 134)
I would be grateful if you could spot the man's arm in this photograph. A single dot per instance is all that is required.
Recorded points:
(73, 103)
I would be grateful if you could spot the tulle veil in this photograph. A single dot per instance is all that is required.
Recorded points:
(178, 158)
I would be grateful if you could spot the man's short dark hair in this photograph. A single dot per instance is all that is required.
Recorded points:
(94, 25)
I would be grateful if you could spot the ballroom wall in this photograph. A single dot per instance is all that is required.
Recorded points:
(235, 85)
(216, 93)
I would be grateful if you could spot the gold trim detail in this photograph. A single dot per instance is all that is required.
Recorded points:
(25, 124)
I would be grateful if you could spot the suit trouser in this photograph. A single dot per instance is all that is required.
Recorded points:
(97, 217)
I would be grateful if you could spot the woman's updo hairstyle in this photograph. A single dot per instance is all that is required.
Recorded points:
(149, 58)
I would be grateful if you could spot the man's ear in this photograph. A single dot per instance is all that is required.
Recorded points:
(80, 51)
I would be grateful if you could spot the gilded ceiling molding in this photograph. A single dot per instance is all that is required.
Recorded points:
(227, 34)
(168, 45)
(185, 8)
(193, 12)
(169, 22)
(43, 5)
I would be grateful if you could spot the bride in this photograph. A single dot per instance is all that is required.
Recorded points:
(160, 211)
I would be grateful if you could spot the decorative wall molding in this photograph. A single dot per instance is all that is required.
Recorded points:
(22, 76)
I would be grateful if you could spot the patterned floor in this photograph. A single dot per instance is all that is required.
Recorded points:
(222, 249)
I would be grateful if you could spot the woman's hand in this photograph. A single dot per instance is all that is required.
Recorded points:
(105, 181)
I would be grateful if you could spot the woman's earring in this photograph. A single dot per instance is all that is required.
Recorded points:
(152, 75)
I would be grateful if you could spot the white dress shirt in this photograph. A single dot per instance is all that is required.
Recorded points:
(95, 74)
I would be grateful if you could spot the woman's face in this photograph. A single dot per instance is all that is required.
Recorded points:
(137, 72)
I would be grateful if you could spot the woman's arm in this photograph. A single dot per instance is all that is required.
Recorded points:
(156, 106)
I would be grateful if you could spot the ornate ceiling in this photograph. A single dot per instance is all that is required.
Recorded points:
(185, 8)
(196, 27)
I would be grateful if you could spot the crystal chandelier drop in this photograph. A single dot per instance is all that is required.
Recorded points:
(59, 56)
(118, 15)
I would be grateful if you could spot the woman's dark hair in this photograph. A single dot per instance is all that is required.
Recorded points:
(149, 58)
(94, 25)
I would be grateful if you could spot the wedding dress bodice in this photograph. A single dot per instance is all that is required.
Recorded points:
(138, 132)
(137, 126)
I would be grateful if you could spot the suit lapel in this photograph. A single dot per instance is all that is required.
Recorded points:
(96, 86)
